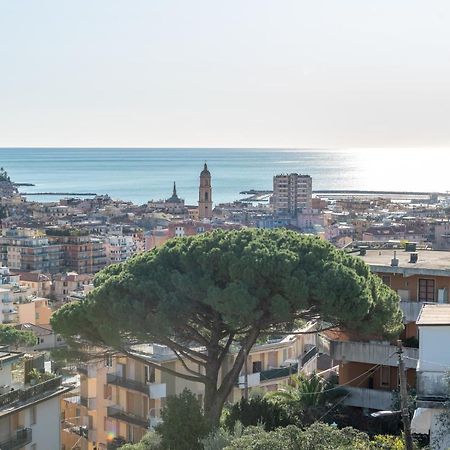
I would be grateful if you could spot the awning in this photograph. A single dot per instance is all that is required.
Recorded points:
(421, 421)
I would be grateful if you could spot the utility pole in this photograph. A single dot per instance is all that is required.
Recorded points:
(245, 375)
(404, 398)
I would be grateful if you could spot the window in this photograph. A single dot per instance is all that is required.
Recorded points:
(426, 290)
(385, 376)
(108, 361)
(257, 366)
(33, 415)
(386, 279)
(107, 392)
(149, 374)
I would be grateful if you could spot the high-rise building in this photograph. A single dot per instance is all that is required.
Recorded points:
(205, 195)
(26, 250)
(291, 193)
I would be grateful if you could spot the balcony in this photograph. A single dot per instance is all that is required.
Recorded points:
(433, 385)
(89, 403)
(25, 395)
(282, 372)
(255, 379)
(116, 413)
(410, 310)
(375, 352)
(117, 380)
(18, 440)
(368, 398)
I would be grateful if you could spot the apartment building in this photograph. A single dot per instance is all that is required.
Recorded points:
(8, 311)
(35, 283)
(432, 415)
(369, 366)
(30, 415)
(6, 277)
(34, 310)
(119, 248)
(291, 193)
(81, 252)
(122, 397)
(65, 284)
(25, 250)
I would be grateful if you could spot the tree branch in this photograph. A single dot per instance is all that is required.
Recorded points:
(196, 379)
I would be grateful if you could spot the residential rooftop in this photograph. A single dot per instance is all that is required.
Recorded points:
(434, 315)
(429, 262)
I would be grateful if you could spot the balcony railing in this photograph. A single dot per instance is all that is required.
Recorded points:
(117, 380)
(282, 372)
(24, 395)
(116, 413)
(368, 398)
(20, 439)
(89, 403)
(433, 385)
(372, 353)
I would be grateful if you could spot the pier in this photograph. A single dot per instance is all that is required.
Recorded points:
(256, 195)
(75, 194)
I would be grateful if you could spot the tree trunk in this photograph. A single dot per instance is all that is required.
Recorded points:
(213, 405)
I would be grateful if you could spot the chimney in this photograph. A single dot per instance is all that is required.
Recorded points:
(413, 257)
(394, 260)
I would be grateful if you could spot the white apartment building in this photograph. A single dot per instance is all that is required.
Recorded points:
(119, 248)
(291, 193)
(433, 389)
(8, 313)
(30, 416)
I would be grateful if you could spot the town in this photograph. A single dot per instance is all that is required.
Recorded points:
(51, 252)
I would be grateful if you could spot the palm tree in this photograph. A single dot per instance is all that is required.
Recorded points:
(307, 396)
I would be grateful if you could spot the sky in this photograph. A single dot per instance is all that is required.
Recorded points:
(234, 73)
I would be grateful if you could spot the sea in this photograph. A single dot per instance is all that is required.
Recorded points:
(143, 174)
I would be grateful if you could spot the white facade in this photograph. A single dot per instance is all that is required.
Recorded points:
(433, 389)
(8, 313)
(119, 248)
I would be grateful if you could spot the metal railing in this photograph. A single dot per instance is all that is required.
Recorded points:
(282, 372)
(21, 438)
(117, 380)
(23, 395)
(124, 416)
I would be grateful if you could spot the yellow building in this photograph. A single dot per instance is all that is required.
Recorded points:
(36, 311)
(122, 396)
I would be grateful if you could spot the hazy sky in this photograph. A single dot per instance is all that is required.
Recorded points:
(279, 73)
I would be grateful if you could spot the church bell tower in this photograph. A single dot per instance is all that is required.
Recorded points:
(205, 195)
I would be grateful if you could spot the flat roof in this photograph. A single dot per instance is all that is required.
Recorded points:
(434, 315)
(430, 262)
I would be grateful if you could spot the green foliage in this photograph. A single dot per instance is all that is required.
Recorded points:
(66, 232)
(318, 436)
(183, 424)
(9, 335)
(38, 376)
(218, 439)
(228, 287)
(151, 441)
(256, 411)
(307, 398)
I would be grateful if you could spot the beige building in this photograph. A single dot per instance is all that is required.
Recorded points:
(35, 311)
(122, 397)
(291, 193)
(65, 284)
